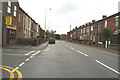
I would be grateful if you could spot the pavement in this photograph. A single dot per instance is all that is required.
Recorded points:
(103, 49)
(61, 60)
(24, 47)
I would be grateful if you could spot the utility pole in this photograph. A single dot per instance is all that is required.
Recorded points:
(45, 22)
(70, 27)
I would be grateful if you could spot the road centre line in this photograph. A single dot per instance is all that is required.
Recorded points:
(27, 59)
(31, 56)
(108, 67)
(82, 53)
(15, 69)
(36, 53)
(72, 48)
(30, 53)
(21, 64)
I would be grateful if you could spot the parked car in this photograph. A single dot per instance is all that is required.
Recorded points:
(52, 41)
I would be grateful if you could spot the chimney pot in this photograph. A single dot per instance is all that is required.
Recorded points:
(104, 16)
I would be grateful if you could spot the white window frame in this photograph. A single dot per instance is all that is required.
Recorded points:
(116, 22)
(81, 31)
(98, 27)
(91, 28)
(88, 29)
(15, 10)
(9, 7)
(106, 23)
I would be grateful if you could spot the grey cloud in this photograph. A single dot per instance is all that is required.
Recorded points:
(68, 7)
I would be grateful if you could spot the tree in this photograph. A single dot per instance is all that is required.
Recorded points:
(50, 33)
(106, 35)
(57, 36)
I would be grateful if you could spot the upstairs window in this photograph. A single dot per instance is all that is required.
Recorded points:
(117, 22)
(91, 28)
(87, 29)
(98, 27)
(9, 7)
(15, 10)
(81, 31)
(105, 23)
(19, 17)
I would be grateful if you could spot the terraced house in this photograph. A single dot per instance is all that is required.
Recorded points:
(94, 33)
(18, 27)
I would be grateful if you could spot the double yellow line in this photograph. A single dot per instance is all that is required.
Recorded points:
(47, 48)
(8, 69)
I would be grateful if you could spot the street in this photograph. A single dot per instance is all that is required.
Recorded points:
(60, 60)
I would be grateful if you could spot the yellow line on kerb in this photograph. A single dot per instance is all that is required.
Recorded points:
(18, 72)
(11, 73)
(47, 48)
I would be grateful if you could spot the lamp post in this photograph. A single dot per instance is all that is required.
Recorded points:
(46, 20)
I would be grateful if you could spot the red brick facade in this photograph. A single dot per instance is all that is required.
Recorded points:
(92, 33)
(22, 27)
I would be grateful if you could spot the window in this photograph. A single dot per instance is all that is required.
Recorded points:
(81, 31)
(117, 22)
(15, 10)
(106, 24)
(98, 28)
(84, 31)
(87, 29)
(91, 28)
(9, 7)
(19, 17)
(91, 37)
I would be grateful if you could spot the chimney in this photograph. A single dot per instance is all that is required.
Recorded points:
(89, 23)
(76, 27)
(104, 16)
(93, 21)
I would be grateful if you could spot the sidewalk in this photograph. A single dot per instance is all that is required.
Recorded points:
(39, 47)
(24, 47)
(102, 49)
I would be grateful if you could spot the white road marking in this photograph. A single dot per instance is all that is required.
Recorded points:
(82, 53)
(31, 56)
(36, 53)
(27, 59)
(108, 67)
(15, 69)
(67, 46)
(21, 64)
(72, 48)
(30, 53)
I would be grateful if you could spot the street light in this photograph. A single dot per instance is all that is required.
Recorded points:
(46, 16)
(46, 20)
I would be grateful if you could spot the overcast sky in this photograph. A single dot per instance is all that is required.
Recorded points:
(68, 12)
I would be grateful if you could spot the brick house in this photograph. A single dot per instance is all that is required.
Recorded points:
(10, 22)
(93, 32)
(17, 26)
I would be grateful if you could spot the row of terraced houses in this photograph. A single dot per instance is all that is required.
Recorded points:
(18, 27)
(92, 33)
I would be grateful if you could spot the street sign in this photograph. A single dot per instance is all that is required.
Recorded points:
(8, 20)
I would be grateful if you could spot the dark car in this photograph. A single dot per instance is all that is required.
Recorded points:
(52, 41)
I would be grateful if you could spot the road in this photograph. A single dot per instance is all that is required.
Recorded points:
(61, 60)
